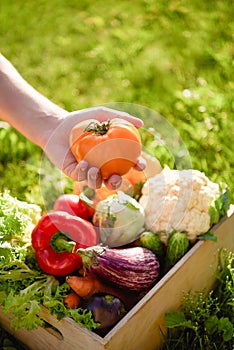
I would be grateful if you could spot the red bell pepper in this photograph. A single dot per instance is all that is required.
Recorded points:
(73, 204)
(57, 229)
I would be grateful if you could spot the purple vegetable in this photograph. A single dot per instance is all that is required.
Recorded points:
(107, 310)
(135, 268)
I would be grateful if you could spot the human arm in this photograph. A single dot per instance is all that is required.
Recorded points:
(48, 125)
(24, 108)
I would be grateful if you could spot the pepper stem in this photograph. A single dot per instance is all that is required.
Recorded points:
(60, 242)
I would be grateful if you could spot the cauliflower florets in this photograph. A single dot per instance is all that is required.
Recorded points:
(178, 200)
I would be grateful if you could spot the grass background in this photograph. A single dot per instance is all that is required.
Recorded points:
(174, 57)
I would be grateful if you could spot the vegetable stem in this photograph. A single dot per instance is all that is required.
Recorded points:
(98, 128)
(89, 256)
(61, 243)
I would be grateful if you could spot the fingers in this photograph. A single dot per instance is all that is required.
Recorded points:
(82, 170)
(140, 164)
(92, 175)
(109, 113)
(114, 182)
(94, 179)
(102, 113)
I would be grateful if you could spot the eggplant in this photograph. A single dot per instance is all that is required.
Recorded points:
(107, 310)
(134, 268)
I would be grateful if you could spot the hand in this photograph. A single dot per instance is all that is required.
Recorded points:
(58, 151)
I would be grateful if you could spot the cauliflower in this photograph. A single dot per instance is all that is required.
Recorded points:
(178, 200)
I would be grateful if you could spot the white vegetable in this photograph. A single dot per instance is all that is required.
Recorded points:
(120, 219)
(178, 200)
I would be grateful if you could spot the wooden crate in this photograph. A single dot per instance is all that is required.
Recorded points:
(140, 328)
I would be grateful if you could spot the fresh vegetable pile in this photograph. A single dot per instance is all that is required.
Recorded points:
(95, 255)
(24, 287)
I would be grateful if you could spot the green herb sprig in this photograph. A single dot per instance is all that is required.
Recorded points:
(205, 321)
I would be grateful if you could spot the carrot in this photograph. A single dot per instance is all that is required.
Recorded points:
(72, 301)
(89, 285)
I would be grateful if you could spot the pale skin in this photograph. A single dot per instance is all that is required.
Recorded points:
(47, 125)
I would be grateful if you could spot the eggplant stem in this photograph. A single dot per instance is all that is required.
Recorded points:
(89, 255)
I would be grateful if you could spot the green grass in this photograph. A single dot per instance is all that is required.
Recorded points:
(173, 57)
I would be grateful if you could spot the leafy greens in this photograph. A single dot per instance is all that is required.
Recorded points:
(24, 288)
